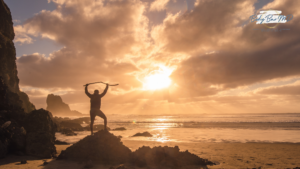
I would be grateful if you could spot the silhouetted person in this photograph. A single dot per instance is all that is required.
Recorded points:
(95, 106)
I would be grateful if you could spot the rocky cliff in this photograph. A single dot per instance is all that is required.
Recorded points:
(57, 107)
(23, 130)
(8, 68)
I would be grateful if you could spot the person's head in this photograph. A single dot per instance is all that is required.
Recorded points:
(96, 92)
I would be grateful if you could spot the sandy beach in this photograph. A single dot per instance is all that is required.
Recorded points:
(227, 155)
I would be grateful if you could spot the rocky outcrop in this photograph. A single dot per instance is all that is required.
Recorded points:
(105, 148)
(26, 104)
(23, 129)
(119, 129)
(102, 147)
(144, 134)
(56, 106)
(8, 68)
(41, 134)
(68, 132)
(167, 157)
(32, 133)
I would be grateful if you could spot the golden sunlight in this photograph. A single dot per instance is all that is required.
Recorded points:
(158, 79)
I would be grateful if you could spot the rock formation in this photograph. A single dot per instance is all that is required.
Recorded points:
(119, 129)
(167, 157)
(105, 148)
(41, 134)
(8, 68)
(144, 134)
(56, 106)
(23, 129)
(27, 133)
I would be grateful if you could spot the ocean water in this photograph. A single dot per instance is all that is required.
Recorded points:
(283, 128)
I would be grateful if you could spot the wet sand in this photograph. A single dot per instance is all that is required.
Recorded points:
(228, 155)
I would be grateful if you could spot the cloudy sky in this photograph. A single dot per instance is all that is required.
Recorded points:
(169, 56)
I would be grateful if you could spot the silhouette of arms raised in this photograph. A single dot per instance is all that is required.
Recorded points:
(87, 92)
(105, 90)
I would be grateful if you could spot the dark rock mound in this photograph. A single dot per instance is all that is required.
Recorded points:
(166, 156)
(145, 134)
(102, 147)
(41, 134)
(119, 129)
(40, 144)
(56, 106)
(70, 125)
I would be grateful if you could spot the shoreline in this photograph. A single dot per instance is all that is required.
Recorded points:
(228, 155)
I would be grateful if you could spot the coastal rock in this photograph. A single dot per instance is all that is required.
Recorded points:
(41, 134)
(40, 120)
(40, 144)
(3, 149)
(102, 147)
(26, 104)
(8, 68)
(119, 129)
(145, 134)
(12, 134)
(56, 106)
(166, 156)
(70, 125)
(68, 132)
(17, 136)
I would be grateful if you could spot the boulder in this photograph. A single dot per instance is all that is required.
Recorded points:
(145, 134)
(40, 144)
(41, 134)
(13, 135)
(70, 125)
(102, 147)
(68, 132)
(166, 156)
(17, 135)
(119, 129)
(40, 120)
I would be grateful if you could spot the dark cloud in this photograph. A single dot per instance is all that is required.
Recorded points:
(283, 90)
(251, 56)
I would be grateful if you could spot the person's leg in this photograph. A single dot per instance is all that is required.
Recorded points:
(92, 114)
(102, 115)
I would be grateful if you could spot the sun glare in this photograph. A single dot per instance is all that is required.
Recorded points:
(158, 79)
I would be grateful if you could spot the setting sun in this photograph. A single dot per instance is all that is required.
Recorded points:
(158, 79)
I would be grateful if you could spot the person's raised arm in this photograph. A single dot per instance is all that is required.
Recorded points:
(87, 92)
(105, 90)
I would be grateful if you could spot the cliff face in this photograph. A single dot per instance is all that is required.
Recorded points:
(58, 108)
(8, 68)
(22, 131)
